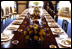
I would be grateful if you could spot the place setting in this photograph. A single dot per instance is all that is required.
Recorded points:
(6, 37)
(53, 25)
(57, 31)
(17, 22)
(13, 27)
(23, 15)
(63, 42)
(49, 19)
(20, 18)
(46, 14)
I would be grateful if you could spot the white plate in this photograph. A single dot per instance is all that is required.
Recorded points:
(56, 30)
(13, 27)
(49, 20)
(52, 23)
(22, 18)
(10, 36)
(61, 43)
(17, 22)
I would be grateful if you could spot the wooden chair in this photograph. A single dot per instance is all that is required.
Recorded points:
(56, 18)
(51, 13)
(2, 15)
(7, 12)
(65, 25)
(10, 13)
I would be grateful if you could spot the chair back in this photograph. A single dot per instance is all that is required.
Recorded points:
(10, 9)
(7, 10)
(65, 25)
(2, 12)
(56, 18)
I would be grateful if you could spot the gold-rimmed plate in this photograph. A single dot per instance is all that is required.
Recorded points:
(6, 37)
(65, 42)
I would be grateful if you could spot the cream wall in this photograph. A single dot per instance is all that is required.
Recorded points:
(8, 4)
(21, 5)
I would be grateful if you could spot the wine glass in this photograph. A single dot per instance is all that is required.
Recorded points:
(52, 46)
(15, 43)
(20, 30)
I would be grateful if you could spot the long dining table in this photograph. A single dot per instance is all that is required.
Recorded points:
(50, 38)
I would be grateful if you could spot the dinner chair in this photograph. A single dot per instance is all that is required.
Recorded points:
(50, 11)
(65, 25)
(52, 14)
(56, 18)
(7, 12)
(2, 15)
(10, 13)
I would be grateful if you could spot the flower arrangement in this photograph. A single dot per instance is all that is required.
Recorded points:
(36, 10)
(35, 16)
(34, 32)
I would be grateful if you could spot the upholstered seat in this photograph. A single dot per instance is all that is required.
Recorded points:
(65, 25)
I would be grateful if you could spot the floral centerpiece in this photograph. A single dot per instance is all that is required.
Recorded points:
(36, 10)
(35, 16)
(34, 32)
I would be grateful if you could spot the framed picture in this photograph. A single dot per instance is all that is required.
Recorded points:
(67, 9)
